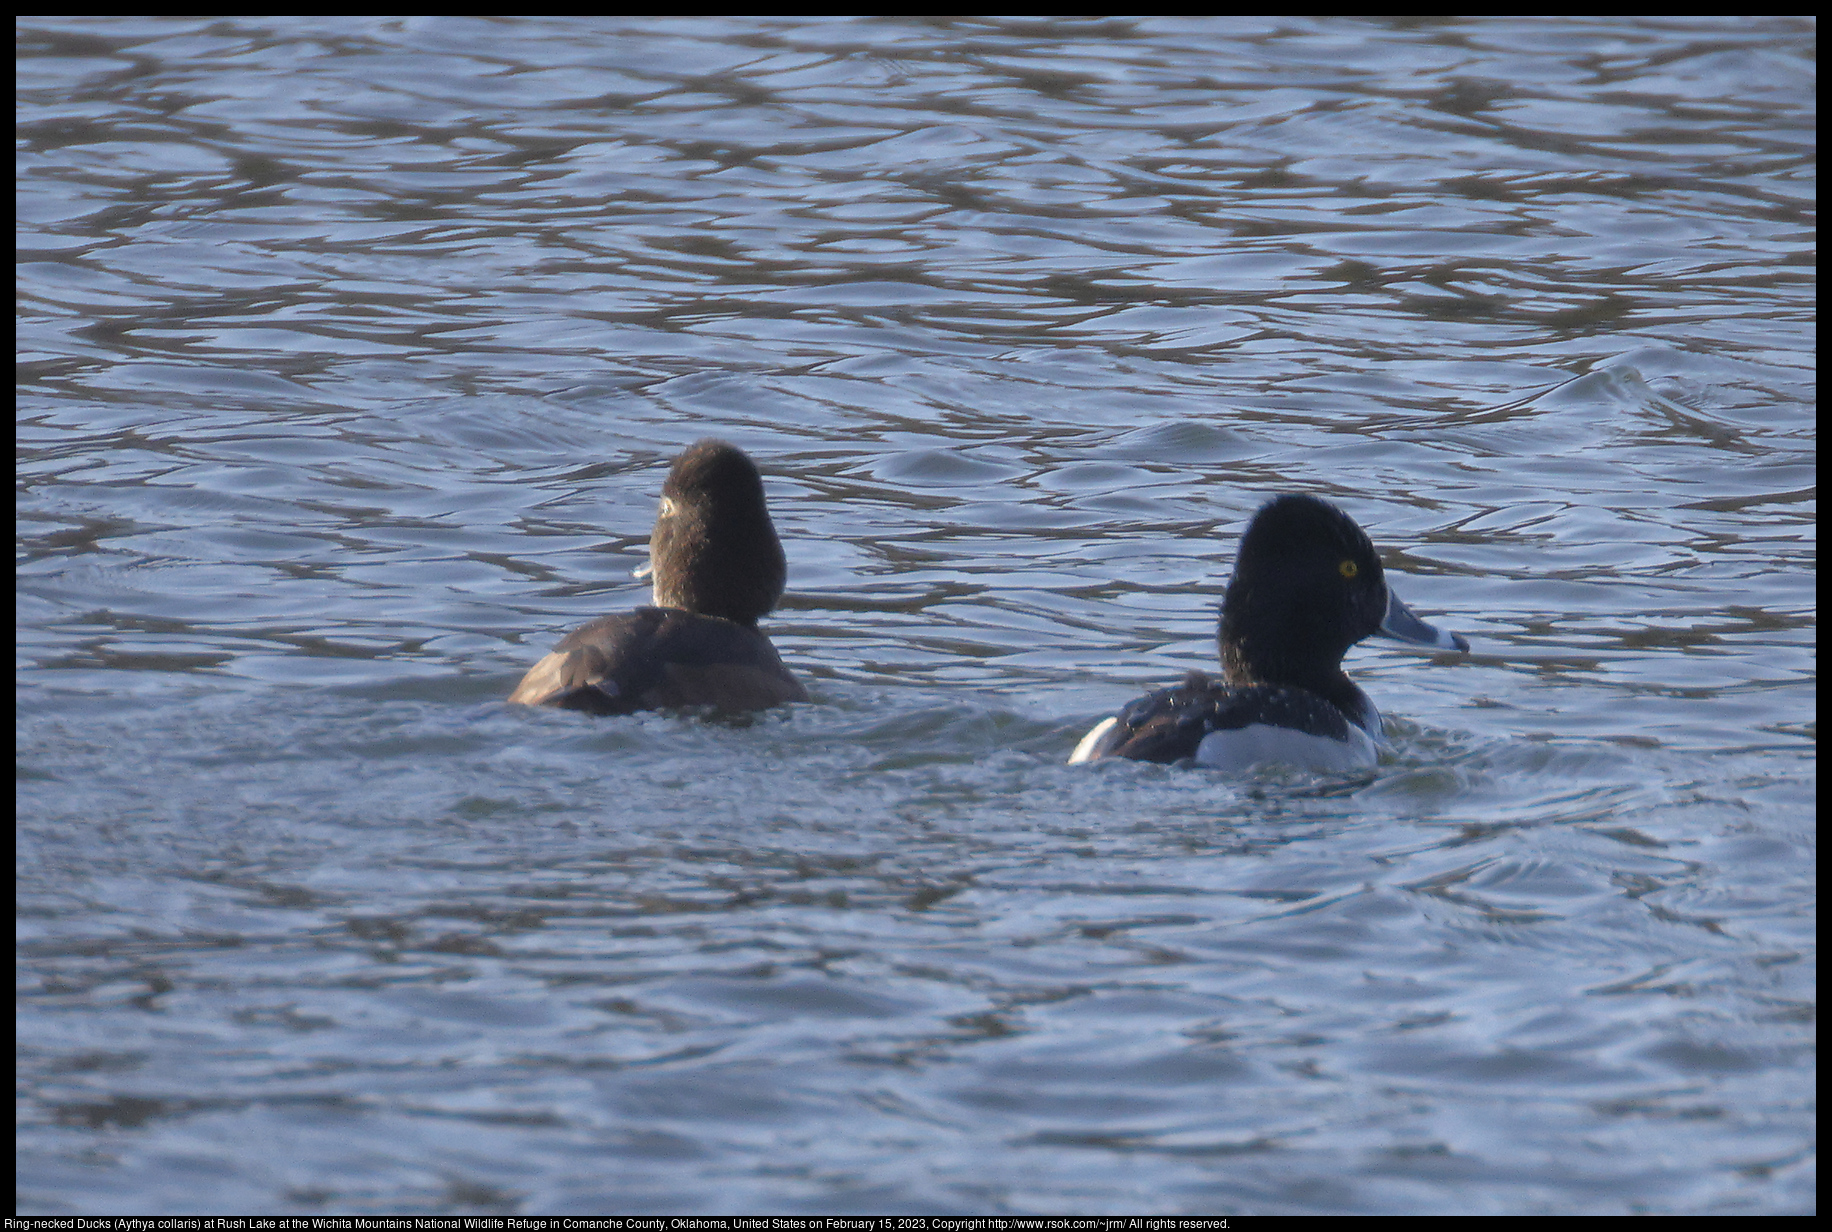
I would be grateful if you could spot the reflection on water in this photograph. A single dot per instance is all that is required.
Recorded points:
(353, 352)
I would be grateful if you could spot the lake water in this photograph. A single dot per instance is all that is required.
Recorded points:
(353, 352)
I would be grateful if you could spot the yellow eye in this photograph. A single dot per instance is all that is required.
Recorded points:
(1348, 568)
(667, 509)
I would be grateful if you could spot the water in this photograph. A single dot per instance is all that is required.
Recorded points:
(353, 352)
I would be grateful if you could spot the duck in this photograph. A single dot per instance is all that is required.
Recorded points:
(1307, 585)
(717, 569)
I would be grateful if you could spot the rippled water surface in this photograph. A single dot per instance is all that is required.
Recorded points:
(353, 352)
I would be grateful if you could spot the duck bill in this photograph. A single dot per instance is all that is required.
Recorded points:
(645, 572)
(1404, 626)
